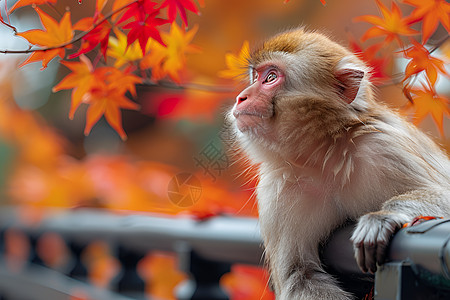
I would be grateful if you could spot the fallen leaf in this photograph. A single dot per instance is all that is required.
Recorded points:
(159, 271)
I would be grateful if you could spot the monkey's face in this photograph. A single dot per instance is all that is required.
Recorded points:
(254, 107)
(301, 93)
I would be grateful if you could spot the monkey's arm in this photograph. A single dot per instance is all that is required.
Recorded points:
(374, 230)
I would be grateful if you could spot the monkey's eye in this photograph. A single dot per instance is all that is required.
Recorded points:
(270, 77)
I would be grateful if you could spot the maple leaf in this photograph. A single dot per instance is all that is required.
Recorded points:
(392, 25)
(56, 34)
(430, 12)
(170, 60)
(81, 80)
(119, 4)
(237, 64)
(22, 3)
(103, 89)
(138, 10)
(427, 102)
(98, 35)
(421, 60)
(107, 100)
(121, 51)
(161, 275)
(143, 31)
(368, 55)
(181, 6)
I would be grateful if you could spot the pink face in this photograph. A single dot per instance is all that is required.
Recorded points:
(254, 105)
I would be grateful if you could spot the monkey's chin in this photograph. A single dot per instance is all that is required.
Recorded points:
(250, 123)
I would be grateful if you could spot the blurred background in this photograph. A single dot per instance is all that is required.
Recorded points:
(178, 134)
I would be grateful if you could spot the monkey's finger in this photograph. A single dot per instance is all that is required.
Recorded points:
(360, 257)
(370, 254)
(381, 251)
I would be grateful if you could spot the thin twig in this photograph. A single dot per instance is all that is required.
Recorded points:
(54, 9)
(74, 40)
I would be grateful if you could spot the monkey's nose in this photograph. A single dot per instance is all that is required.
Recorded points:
(241, 99)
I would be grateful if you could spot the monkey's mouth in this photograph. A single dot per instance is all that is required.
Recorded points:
(250, 121)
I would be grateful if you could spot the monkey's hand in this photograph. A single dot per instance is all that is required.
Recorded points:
(372, 235)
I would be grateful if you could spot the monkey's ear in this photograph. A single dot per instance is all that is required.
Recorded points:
(349, 81)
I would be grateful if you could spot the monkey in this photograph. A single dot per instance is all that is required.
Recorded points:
(327, 151)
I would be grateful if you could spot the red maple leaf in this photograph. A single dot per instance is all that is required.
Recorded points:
(142, 31)
(139, 10)
(368, 55)
(181, 6)
(97, 35)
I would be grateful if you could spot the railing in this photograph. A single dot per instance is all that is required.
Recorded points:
(206, 250)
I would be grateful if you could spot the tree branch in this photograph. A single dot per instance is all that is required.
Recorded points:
(74, 40)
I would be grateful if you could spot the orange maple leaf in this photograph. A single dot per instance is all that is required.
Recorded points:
(392, 25)
(22, 3)
(237, 64)
(430, 12)
(426, 102)
(159, 271)
(421, 60)
(103, 89)
(170, 60)
(56, 35)
(107, 98)
(81, 80)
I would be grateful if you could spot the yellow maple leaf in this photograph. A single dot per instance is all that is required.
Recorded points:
(118, 48)
(170, 60)
(237, 64)
(55, 35)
